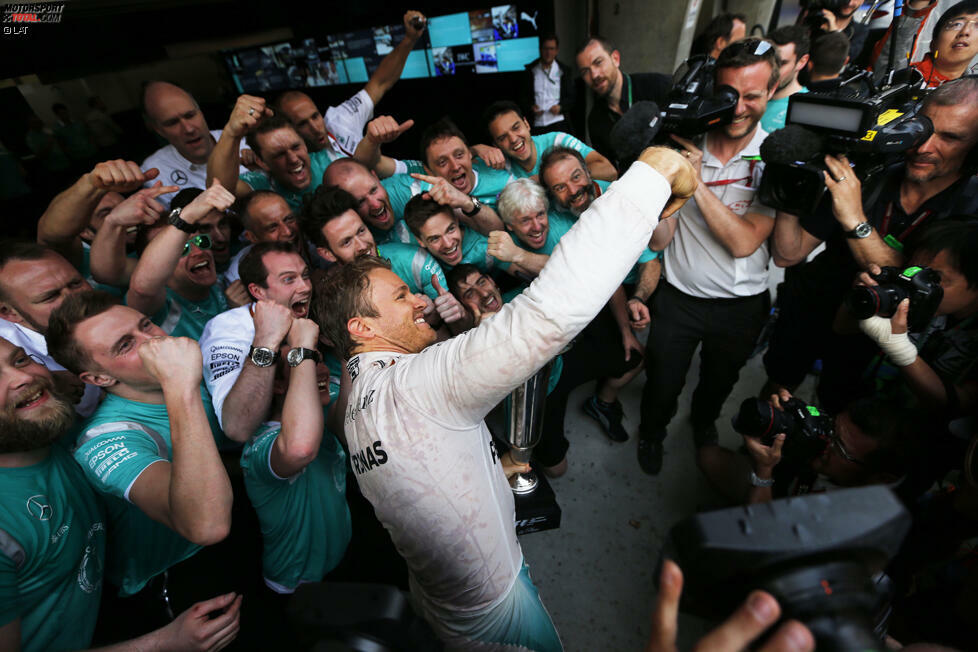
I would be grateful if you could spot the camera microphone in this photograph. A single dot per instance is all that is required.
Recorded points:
(792, 144)
(635, 131)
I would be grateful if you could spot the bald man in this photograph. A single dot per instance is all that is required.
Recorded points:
(341, 127)
(174, 114)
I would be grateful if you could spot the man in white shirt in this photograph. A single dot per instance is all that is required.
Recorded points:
(415, 412)
(174, 114)
(715, 289)
(548, 90)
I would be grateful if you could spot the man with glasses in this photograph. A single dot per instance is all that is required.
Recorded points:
(175, 281)
(954, 45)
(873, 441)
(715, 289)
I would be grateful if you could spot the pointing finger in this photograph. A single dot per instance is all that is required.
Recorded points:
(424, 177)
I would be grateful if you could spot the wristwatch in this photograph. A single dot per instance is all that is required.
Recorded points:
(298, 354)
(174, 219)
(862, 230)
(760, 482)
(476, 207)
(262, 356)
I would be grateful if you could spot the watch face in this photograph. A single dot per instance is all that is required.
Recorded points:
(294, 357)
(863, 230)
(262, 357)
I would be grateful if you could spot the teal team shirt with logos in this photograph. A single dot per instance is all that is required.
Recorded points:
(488, 184)
(414, 265)
(305, 520)
(318, 162)
(546, 142)
(52, 553)
(116, 445)
(180, 317)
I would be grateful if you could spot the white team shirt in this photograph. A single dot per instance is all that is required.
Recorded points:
(414, 423)
(225, 344)
(175, 170)
(546, 93)
(346, 122)
(695, 261)
(34, 344)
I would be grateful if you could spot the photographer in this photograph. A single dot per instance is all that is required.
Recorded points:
(835, 16)
(872, 441)
(933, 367)
(934, 182)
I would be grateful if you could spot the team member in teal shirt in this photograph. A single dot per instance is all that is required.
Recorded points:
(440, 233)
(175, 280)
(373, 197)
(150, 447)
(510, 131)
(295, 471)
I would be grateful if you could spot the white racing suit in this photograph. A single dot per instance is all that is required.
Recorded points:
(420, 449)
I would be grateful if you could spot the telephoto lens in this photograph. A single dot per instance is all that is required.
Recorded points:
(761, 420)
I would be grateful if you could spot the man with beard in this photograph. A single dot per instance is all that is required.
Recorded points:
(54, 551)
(599, 64)
(433, 475)
(934, 183)
(716, 265)
(175, 116)
(175, 280)
(34, 280)
(510, 131)
(150, 448)
(240, 346)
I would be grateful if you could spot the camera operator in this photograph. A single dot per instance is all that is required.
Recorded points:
(873, 441)
(835, 16)
(932, 184)
(716, 289)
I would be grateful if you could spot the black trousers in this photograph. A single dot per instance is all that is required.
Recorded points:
(727, 329)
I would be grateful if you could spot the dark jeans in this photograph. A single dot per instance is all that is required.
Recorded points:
(728, 330)
(597, 353)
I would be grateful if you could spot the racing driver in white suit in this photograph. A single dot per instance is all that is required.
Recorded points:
(414, 420)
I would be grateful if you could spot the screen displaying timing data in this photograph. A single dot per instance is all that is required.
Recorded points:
(497, 39)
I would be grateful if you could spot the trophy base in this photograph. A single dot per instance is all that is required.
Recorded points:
(524, 483)
(538, 510)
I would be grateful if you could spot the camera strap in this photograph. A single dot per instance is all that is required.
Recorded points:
(885, 227)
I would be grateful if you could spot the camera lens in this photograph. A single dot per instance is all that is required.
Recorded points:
(760, 419)
(863, 301)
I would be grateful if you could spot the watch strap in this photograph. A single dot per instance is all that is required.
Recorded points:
(757, 481)
(861, 230)
(174, 219)
(476, 207)
(307, 354)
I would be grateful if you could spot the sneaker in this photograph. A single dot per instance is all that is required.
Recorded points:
(650, 454)
(608, 416)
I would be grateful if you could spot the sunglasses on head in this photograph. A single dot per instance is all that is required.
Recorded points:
(201, 241)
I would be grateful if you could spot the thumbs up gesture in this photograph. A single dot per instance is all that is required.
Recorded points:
(385, 129)
(448, 307)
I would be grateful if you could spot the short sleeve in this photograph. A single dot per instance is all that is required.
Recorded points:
(257, 453)
(346, 122)
(431, 267)
(224, 354)
(647, 255)
(256, 180)
(566, 140)
(113, 459)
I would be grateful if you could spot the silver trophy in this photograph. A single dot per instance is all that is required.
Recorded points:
(525, 415)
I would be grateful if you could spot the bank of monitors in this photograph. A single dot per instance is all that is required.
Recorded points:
(503, 38)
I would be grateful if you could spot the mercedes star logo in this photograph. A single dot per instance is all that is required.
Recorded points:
(37, 506)
(178, 177)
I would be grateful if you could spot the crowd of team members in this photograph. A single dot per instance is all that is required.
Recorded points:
(184, 328)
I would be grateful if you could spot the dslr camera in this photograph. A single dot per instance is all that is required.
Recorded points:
(921, 285)
(872, 127)
(808, 430)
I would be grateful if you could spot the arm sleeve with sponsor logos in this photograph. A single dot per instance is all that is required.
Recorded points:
(347, 121)
(113, 460)
(566, 140)
(224, 351)
(458, 381)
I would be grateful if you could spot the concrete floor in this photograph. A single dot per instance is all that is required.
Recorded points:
(595, 573)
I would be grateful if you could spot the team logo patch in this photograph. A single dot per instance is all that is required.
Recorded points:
(178, 177)
(38, 507)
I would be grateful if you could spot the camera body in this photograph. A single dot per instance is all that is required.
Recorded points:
(814, 20)
(808, 430)
(873, 128)
(921, 285)
(695, 104)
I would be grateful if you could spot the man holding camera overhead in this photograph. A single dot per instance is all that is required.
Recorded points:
(934, 183)
(716, 283)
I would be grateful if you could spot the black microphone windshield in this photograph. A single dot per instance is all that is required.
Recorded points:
(635, 130)
(791, 144)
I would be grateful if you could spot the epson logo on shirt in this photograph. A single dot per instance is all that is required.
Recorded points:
(370, 457)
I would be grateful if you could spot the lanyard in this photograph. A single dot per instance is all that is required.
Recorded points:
(628, 81)
(913, 225)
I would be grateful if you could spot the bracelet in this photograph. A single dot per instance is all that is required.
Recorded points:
(760, 482)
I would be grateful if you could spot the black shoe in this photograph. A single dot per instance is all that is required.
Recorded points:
(609, 416)
(650, 454)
